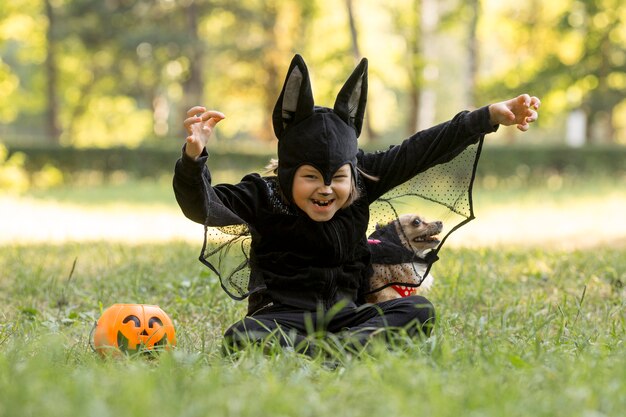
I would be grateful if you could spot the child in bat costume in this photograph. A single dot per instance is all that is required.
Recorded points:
(309, 258)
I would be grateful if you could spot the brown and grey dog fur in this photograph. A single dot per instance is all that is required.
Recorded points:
(419, 236)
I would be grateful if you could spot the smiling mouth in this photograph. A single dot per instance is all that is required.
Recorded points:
(323, 203)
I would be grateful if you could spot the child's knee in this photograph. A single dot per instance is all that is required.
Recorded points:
(266, 334)
(245, 332)
(424, 313)
(417, 310)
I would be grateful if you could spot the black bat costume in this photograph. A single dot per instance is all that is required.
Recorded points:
(296, 271)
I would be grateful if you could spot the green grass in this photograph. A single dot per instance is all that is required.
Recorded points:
(130, 192)
(519, 333)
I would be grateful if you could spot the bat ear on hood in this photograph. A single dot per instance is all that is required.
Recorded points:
(352, 98)
(295, 102)
(322, 137)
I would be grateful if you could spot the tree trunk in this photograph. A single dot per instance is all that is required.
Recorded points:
(193, 87)
(356, 53)
(472, 53)
(414, 45)
(272, 65)
(283, 27)
(53, 132)
(428, 98)
(603, 101)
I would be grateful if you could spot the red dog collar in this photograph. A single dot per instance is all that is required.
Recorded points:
(404, 291)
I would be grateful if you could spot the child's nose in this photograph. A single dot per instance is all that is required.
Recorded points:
(325, 190)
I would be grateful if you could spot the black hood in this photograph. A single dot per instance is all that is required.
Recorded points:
(319, 136)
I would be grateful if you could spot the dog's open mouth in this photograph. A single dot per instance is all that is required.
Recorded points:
(427, 238)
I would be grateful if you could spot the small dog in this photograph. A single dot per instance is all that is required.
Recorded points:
(394, 249)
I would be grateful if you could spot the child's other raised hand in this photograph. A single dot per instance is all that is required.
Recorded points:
(520, 111)
(199, 125)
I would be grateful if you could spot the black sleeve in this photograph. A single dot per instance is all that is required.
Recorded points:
(423, 150)
(219, 205)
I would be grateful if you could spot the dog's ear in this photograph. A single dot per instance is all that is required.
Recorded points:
(295, 102)
(351, 100)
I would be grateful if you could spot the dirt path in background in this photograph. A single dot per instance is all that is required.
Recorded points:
(30, 220)
(574, 225)
(566, 226)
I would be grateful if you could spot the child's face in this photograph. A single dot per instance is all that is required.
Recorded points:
(318, 200)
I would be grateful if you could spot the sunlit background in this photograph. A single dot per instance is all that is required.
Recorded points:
(93, 93)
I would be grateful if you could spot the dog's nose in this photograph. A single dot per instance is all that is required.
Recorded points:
(439, 224)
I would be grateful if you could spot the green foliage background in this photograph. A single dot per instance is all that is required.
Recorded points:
(122, 73)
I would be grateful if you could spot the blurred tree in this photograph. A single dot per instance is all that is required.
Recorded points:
(193, 83)
(473, 53)
(356, 53)
(256, 39)
(22, 48)
(465, 14)
(147, 54)
(121, 71)
(9, 82)
(407, 21)
(52, 122)
(418, 23)
(574, 54)
(600, 73)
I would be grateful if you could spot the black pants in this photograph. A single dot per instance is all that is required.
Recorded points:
(354, 326)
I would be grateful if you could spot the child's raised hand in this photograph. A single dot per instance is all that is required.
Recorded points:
(520, 111)
(199, 125)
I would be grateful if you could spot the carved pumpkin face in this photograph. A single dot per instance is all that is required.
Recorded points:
(133, 328)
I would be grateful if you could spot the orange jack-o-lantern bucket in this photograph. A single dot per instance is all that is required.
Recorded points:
(133, 328)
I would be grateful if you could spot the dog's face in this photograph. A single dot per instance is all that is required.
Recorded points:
(389, 263)
(419, 234)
